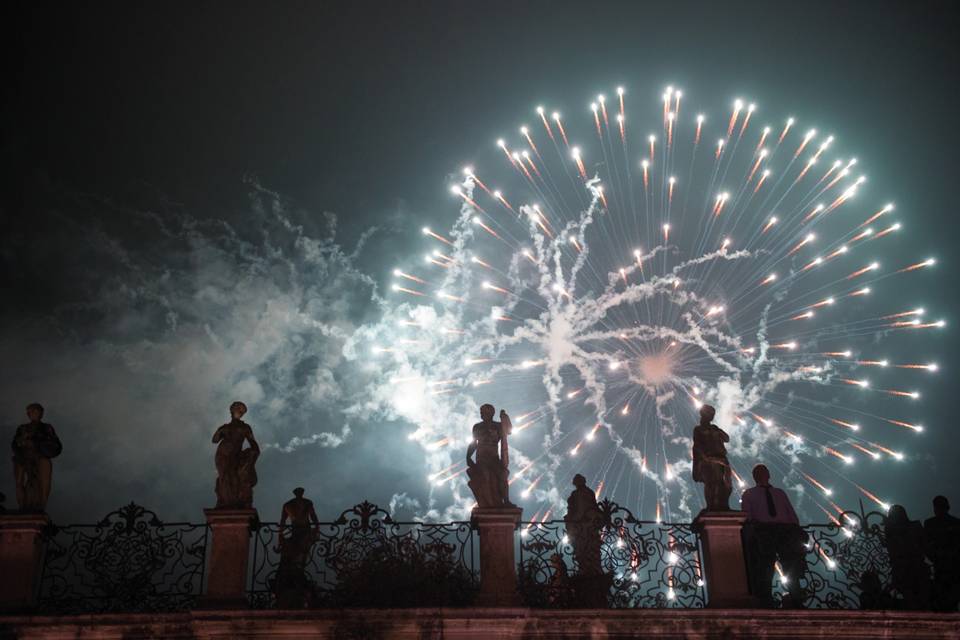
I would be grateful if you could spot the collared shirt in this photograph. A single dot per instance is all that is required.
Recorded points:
(754, 504)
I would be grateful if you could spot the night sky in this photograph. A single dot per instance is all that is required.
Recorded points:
(152, 145)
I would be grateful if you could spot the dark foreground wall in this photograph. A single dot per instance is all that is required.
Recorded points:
(489, 624)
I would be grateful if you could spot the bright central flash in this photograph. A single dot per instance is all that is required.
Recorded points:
(657, 369)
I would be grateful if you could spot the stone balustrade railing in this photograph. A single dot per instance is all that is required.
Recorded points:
(133, 561)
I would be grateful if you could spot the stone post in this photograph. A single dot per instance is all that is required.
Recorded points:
(723, 559)
(21, 558)
(228, 558)
(498, 568)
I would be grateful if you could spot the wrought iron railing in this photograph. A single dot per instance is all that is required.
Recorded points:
(641, 563)
(847, 565)
(128, 561)
(363, 558)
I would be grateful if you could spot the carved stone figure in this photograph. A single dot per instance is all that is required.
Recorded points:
(293, 587)
(33, 447)
(299, 511)
(488, 475)
(236, 470)
(583, 521)
(710, 464)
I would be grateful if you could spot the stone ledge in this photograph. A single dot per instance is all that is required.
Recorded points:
(489, 624)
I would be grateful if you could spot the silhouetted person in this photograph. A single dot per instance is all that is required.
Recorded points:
(488, 475)
(942, 533)
(908, 569)
(34, 444)
(710, 464)
(772, 533)
(236, 466)
(873, 595)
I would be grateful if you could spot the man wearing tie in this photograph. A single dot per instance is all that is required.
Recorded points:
(772, 534)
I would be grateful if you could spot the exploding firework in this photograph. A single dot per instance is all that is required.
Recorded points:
(603, 280)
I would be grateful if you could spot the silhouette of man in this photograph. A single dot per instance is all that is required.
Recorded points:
(710, 464)
(489, 473)
(772, 534)
(34, 444)
(908, 571)
(942, 533)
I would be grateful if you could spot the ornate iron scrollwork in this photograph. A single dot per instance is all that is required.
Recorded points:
(838, 555)
(646, 564)
(128, 561)
(364, 557)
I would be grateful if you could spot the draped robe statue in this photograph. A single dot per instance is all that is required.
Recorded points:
(488, 475)
(236, 466)
(34, 444)
(710, 464)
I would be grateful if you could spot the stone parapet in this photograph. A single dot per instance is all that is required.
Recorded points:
(21, 557)
(725, 566)
(498, 567)
(230, 531)
(492, 624)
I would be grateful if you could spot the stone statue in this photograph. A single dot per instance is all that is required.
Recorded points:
(489, 473)
(236, 471)
(292, 586)
(584, 520)
(710, 464)
(33, 446)
(299, 511)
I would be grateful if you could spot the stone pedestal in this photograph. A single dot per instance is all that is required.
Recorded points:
(228, 557)
(498, 568)
(21, 558)
(723, 559)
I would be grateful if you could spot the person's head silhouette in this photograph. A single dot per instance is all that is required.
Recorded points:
(761, 475)
(897, 514)
(941, 506)
(706, 414)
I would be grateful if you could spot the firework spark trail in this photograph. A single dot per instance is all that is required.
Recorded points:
(559, 314)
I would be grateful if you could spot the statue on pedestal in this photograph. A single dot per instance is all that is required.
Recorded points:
(488, 475)
(33, 447)
(710, 464)
(236, 471)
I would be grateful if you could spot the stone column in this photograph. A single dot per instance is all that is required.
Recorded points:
(723, 559)
(498, 568)
(21, 558)
(228, 558)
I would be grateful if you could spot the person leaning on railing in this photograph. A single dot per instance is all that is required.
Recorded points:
(772, 533)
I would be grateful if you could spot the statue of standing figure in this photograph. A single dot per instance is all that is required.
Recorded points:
(710, 464)
(34, 444)
(488, 475)
(584, 520)
(236, 466)
(292, 586)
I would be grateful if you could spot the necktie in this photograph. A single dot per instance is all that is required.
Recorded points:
(771, 507)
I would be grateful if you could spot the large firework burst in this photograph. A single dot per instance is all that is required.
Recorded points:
(624, 275)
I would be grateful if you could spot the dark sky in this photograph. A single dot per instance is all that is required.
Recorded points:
(123, 111)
